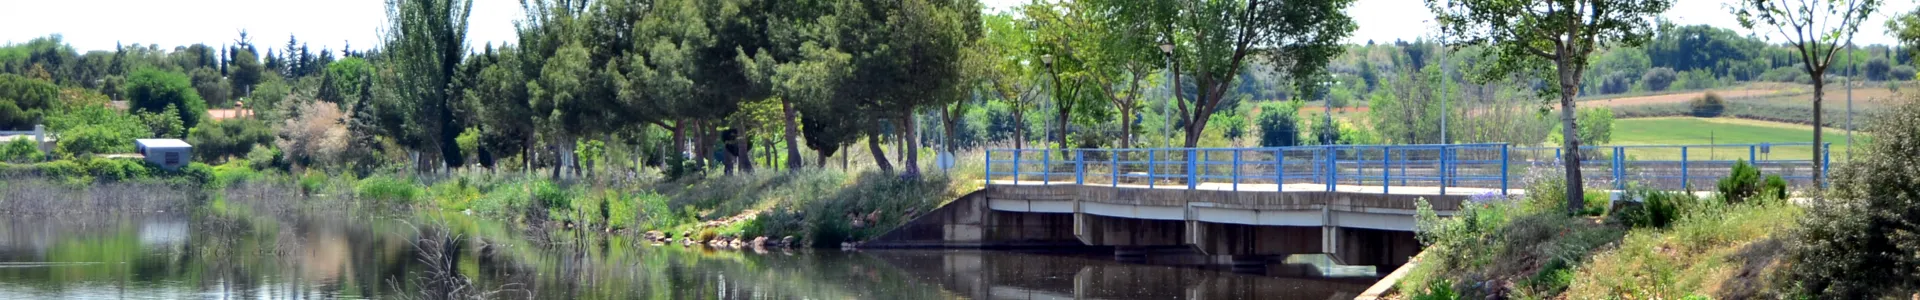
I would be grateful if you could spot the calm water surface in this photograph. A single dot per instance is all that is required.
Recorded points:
(199, 257)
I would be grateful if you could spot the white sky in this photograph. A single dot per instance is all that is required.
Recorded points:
(98, 24)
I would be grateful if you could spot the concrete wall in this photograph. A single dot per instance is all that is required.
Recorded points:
(969, 223)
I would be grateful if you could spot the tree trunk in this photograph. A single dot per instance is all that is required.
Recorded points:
(1196, 126)
(1065, 113)
(792, 132)
(679, 153)
(911, 148)
(1018, 134)
(1819, 165)
(743, 142)
(1570, 138)
(879, 155)
(1126, 127)
(822, 163)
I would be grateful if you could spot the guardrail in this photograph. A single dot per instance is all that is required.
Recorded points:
(1477, 166)
(1276, 168)
(1682, 167)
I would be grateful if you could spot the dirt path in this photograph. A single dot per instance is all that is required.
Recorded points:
(1676, 97)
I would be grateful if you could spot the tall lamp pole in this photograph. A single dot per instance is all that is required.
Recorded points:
(1173, 88)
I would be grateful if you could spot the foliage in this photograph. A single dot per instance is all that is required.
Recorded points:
(1901, 72)
(24, 101)
(317, 136)
(1877, 68)
(164, 124)
(93, 140)
(218, 140)
(312, 181)
(265, 156)
(1658, 79)
(1540, 38)
(387, 189)
(1531, 243)
(152, 91)
(1279, 124)
(1816, 30)
(21, 150)
(66, 170)
(1596, 125)
(1726, 252)
(1299, 37)
(1861, 242)
(1708, 105)
(117, 169)
(1742, 183)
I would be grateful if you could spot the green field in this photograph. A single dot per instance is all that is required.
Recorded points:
(1704, 131)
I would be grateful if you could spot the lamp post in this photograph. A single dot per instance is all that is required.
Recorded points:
(1173, 88)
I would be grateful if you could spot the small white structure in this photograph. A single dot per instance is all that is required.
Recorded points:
(170, 154)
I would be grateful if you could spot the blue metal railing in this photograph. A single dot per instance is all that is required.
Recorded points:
(1301, 168)
(1480, 167)
(1682, 167)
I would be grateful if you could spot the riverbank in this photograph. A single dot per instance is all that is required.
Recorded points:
(805, 208)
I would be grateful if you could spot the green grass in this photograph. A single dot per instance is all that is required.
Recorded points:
(1704, 131)
(1714, 253)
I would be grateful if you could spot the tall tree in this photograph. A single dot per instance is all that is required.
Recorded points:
(1817, 29)
(1009, 67)
(1549, 36)
(906, 56)
(425, 42)
(1214, 40)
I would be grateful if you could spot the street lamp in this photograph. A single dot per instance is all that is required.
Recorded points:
(1173, 88)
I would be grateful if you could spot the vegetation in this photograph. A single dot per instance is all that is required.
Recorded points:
(1858, 243)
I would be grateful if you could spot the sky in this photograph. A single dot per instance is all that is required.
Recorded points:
(100, 24)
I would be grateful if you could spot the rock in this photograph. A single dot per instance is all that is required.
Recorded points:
(759, 242)
(848, 246)
(653, 235)
(737, 243)
(788, 241)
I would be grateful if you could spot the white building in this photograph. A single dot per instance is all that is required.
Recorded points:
(170, 154)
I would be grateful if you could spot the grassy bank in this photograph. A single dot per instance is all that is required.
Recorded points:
(815, 206)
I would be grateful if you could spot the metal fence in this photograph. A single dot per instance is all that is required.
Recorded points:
(1426, 169)
(1300, 168)
(1680, 167)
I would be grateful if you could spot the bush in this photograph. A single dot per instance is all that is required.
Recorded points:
(1708, 106)
(1776, 188)
(117, 169)
(387, 189)
(91, 140)
(1278, 124)
(265, 156)
(1741, 184)
(312, 182)
(216, 141)
(199, 173)
(1656, 209)
(1877, 68)
(454, 195)
(1861, 242)
(1658, 79)
(26, 101)
(1901, 73)
(66, 170)
(20, 150)
(551, 195)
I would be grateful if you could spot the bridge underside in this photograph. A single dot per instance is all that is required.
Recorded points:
(1353, 228)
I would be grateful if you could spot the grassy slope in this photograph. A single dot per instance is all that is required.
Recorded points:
(1722, 254)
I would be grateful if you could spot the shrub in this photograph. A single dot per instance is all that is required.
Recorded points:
(91, 140)
(551, 195)
(1656, 209)
(1278, 124)
(1861, 242)
(1708, 106)
(117, 169)
(265, 156)
(66, 170)
(1776, 188)
(20, 150)
(454, 195)
(198, 173)
(1877, 68)
(1658, 79)
(387, 189)
(317, 136)
(623, 211)
(27, 99)
(218, 140)
(1741, 184)
(312, 181)
(1901, 73)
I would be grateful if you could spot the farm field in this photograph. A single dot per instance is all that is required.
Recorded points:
(1710, 131)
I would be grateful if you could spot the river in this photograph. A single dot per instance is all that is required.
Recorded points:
(194, 256)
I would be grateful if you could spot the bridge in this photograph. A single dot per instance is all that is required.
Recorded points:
(1249, 206)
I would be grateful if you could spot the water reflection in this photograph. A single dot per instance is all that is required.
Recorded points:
(175, 257)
